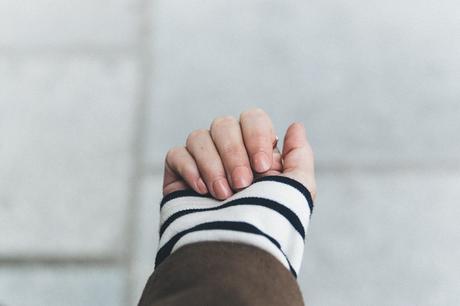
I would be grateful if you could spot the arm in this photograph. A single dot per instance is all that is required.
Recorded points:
(221, 273)
(243, 250)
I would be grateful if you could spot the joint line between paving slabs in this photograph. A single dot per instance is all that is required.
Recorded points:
(140, 122)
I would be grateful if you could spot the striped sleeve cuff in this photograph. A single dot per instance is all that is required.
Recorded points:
(273, 214)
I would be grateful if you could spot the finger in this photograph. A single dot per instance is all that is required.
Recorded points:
(298, 159)
(258, 137)
(175, 186)
(297, 153)
(202, 148)
(180, 166)
(226, 134)
(277, 165)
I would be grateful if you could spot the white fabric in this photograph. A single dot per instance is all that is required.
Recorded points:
(261, 217)
(267, 220)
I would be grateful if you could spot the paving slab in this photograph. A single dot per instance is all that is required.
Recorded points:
(374, 239)
(146, 229)
(71, 24)
(384, 239)
(57, 286)
(375, 82)
(66, 128)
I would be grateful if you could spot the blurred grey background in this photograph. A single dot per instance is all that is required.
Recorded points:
(94, 92)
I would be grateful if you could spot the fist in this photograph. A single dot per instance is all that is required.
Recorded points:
(227, 157)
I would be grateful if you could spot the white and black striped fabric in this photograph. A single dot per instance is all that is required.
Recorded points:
(273, 214)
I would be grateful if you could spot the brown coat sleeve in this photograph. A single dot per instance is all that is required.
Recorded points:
(221, 274)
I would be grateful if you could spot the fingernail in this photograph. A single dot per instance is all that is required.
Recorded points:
(201, 186)
(241, 177)
(221, 189)
(261, 162)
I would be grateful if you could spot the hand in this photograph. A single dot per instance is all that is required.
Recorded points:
(231, 154)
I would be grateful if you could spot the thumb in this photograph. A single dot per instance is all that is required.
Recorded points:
(298, 159)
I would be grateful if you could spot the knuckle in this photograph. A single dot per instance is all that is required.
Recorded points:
(223, 121)
(195, 134)
(186, 169)
(231, 149)
(253, 111)
(173, 153)
(258, 110)
(259, 141)
(260, 138)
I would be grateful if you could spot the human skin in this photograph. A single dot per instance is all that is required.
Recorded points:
(228, 156)
(222, 272)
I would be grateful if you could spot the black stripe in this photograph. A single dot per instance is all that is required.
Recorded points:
(183, 193)
(281, 209)
(276, 178)
(221, 225)
(294, 183)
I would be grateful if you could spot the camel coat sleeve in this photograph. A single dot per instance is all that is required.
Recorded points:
(214, 273)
